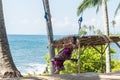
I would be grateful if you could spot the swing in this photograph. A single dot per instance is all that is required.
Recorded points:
(66, 39)
(72, 59)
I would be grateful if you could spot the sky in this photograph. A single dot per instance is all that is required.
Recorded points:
(27, 17)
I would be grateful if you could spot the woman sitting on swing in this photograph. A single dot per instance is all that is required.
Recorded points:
(65, 54)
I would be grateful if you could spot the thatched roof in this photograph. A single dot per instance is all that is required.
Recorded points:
(93, 40)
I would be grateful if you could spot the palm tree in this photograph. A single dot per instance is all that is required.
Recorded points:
(98, 32)
(7, 68)
(83, 30)
(97, 3)
(118, 7)
(113, 24)
(91, 29)
(49, 32)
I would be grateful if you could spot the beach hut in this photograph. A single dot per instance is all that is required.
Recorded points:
(92, 41)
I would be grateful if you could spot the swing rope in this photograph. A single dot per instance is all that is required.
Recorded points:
(46, 14)
(79, 22)
(79, 53)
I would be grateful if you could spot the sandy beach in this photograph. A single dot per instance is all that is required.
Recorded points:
(82, 76)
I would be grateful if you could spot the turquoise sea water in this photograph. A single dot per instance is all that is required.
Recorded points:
(28, 52)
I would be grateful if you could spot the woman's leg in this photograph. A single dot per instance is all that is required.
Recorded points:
(57, 70)
(59, 66)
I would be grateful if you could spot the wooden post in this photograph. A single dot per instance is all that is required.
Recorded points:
(49, 32)
(79, 54)
(79, 60)
(101, 62)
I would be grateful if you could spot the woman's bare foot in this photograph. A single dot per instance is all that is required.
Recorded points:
(57, 72)
(52, 59)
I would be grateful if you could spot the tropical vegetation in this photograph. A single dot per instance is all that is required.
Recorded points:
(90, 61)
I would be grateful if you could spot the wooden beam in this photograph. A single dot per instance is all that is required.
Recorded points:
(117, 44)
(96, 49)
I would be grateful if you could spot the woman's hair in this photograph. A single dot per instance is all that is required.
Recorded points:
(74, 38)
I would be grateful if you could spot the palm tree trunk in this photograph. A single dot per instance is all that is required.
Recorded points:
(50, 33)
(106, 26)
(7, 68)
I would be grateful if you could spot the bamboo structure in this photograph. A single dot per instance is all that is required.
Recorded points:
(91, 41)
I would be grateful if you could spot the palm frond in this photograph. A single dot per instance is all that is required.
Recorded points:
(83, 6)
(88, 4)
(118, 7)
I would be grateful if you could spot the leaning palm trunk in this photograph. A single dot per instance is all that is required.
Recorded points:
(106, 26)
(49, 32)
(7, 66)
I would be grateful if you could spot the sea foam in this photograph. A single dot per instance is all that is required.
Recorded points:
(32, 68)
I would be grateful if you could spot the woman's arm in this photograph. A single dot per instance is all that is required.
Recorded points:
(69, 45)
(57, 45)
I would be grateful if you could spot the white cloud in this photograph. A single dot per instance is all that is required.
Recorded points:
(26, 26)
(61, 23)
(117, 19)
(96, 22)
(25, 21)
(65, 26)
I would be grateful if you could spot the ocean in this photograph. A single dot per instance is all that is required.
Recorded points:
(28, 52)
